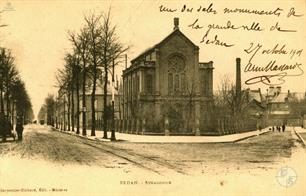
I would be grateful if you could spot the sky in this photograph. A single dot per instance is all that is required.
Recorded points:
(37, 35)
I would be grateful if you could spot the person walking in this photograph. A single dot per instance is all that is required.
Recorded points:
(19, 128)
(284, 127)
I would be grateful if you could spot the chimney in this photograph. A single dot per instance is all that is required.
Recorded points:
(176, 23)
(238, 76)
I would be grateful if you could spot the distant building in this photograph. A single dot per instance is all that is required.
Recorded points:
(285, 107)
(99, 106)
(62, 119)
(167, 90)
(255, 103)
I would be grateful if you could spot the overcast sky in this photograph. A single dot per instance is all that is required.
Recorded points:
(37, 35)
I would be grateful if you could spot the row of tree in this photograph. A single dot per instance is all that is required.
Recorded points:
(96, 50)
(14, 98)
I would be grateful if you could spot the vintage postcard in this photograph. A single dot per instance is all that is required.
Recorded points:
(152, 97)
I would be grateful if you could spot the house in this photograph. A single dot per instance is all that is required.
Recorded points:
(167, 90)
(255, 103)
(285, 107)
(99, 105)
(63, 116)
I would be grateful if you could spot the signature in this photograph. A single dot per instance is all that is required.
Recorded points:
(273, 79)
(282, 69)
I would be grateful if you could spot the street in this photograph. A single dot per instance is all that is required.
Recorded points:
(41, 142)
(52, 161)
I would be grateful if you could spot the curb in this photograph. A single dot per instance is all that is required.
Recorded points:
(300, 137)
(238, 140)
(106, 140)
(80, 136)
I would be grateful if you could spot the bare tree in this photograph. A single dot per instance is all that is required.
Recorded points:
(94, 31)
(81, 44)
(191, 92)
(8, 75)
(111, 51)
(228, 104)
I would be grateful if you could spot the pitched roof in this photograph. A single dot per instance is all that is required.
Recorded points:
(297, 96)
(151, 49)
(279, 98)
(100, 89)
(255, 95)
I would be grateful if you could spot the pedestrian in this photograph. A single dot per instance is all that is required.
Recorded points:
(273, 128)
(284, 127)
(19, 128)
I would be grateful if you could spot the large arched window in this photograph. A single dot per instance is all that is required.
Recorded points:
(176, 74)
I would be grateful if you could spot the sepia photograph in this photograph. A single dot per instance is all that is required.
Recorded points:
(152, 97)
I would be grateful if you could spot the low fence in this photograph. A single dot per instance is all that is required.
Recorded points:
(221, 125)
(218, 126)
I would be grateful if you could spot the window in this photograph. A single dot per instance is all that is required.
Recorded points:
(170, 83)
(183, 83)
(134, 87)
(130, 88)
(149, 84)
(137, 84)
(176, 75)
(205, 82)
(176, 84)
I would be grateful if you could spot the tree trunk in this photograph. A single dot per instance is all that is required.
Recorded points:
(1, 101)
(93, 98)
(93, 94)
(84, 101)
(78, 104)
(105, 102)
(64, 113)
(72, 109)
(93, 111)
(68, 110)
(8, 104)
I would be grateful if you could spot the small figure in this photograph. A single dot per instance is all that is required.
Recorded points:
(19, 128)
(273, 128)
(284, 127)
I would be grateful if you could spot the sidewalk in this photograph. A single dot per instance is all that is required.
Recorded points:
(171, 139)
(299, 130)
(301, 134)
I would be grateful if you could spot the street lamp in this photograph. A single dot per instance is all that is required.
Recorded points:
(113, 137)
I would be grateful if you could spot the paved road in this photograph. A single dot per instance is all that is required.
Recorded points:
(50, 159)
(259, 152)
(42, 142)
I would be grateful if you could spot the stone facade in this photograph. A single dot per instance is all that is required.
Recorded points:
(167, 90)
(61, 115)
